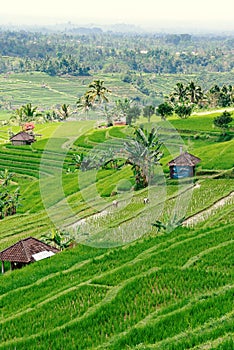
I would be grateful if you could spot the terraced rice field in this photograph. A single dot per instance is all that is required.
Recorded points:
(163, 292)
(155, 290)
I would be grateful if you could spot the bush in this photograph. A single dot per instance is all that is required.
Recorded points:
(124, 185)
(224, 138)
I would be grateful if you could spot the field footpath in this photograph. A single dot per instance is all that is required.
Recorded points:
(205, 213)
(228, 109)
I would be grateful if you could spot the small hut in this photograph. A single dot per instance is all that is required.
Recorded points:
(183, 166)
(22, 138)
(28, 126)
(119, 122)
(26, 251)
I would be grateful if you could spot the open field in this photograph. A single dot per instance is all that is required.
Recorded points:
(125, 285)
(46, 92)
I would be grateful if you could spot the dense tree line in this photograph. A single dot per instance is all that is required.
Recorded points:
(185, 98)
(82, 54)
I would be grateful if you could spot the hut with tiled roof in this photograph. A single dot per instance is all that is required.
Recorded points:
(183, 166)
(22, 138)
(25, 252)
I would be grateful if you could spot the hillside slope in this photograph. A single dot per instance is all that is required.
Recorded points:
(166, 291)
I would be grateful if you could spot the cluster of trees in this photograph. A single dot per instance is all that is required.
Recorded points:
(184, 98)
(97, 98)
(142, 150)
(111, 52)
(61, 65)
(9, 198)
(28, 113)
(182, 101)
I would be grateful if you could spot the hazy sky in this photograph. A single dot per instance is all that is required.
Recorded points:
(130, 11)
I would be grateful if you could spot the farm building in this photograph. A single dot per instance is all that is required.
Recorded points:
(183, 166)
(28, 126)
(119, 122)
(22, 138)
(26, 251)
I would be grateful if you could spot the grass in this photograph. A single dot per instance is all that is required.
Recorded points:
(155, 290)
(143, 282)
(197, 123)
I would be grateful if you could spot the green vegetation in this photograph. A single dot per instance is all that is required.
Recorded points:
(158, 290)
(146, 261)
(223, 121)
(169, 288)
(9, 198)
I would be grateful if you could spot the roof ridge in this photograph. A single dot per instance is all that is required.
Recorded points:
(24, 249)
(186, 157)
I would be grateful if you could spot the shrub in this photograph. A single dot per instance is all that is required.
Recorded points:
(124, 185)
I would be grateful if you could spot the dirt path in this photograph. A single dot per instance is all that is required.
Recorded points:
(204, 214)
(229, 109)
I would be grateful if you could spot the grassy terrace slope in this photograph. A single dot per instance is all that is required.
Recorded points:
(42, 168)
(162, 291)
(171, 291)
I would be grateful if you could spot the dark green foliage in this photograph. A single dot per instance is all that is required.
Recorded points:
(59, 53)
(9, 198)
(165, 110)
(143, 153)
(223, 121)
(183, 111)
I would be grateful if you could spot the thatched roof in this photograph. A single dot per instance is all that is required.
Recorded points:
(24, 250)
(184, 159)
(22, 136)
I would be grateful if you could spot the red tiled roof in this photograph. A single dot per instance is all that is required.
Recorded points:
(28, 126)
(23, 250)
(185, 159)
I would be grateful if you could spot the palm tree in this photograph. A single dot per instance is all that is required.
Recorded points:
(77, 160)
(194, 92)
(179, 94)
(29, 112)
(64, 111)
(9, 201)
(143, 153)
(18, 117)
(84, 104)
(26, 113)
(97, 91)
(213, 95)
